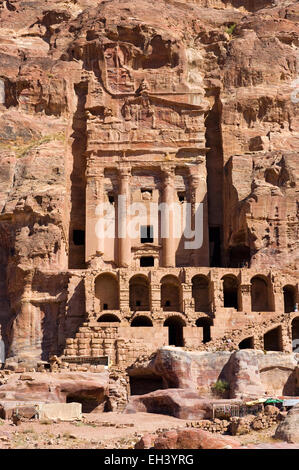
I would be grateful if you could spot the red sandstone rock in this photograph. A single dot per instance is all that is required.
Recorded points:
(146, 442)
(194, 439)
(89, 86)
(245, 379)
(248, 373)
(288, 429)
(89, 389)
(184, 404)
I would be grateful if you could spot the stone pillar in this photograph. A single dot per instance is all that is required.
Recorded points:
(100, 200)
(188, 304)
(245, 290)
(218, 294)
(168, 249)
(124, 294)
(198, 195)
(94, 196)
(124, 241)
(155, 292)
(286, 337)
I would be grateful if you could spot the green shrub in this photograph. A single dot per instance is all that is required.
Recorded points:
(230, 29)
(220, 387)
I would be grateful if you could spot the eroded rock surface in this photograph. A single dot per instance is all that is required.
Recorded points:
(247, 373)
(76, 79)
(288, 429)
(188, 439)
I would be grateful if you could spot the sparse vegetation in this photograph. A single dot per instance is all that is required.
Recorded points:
(45, 421)
(220, 388)
(230, 29)
(21, 149)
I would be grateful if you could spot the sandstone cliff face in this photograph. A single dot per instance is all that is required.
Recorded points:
(239, 56)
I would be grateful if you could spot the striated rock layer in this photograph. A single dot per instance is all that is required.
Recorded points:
(212, 83)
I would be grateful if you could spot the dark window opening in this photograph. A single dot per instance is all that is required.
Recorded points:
(182, 196)
(246, 343)
(145, 190)
(205, 324)
(142, 320)
(146, 261)
(289, 299)
(230, 292)
(111, 198)
(79, 237)
(109, 318)
(272, 340)
(167, 303)
(175, 331)
(215, 246)
(105, 306)
(138, 303)
(295, 335)
(146, 234)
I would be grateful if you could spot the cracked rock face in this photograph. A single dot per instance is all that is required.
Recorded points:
(64, 63)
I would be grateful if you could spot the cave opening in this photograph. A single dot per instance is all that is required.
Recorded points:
(142, 384)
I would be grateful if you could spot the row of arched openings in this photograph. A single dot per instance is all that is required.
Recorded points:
(273, 339)
(262, 298)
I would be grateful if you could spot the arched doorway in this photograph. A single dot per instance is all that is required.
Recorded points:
(230, 291)
(170, 294)
(289, 297)
(175, 330)
(246, 343)
(142, 320)
(107, 291)
(201, 293)
(205, 324)
(108, 318)
(273, 340)
(139, 293)
(260, 301)
(295, 334)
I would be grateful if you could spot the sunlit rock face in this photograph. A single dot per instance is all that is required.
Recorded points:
(160, 102)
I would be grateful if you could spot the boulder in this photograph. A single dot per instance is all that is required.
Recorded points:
(244, 377)
(194, 439)
(197, 370)
(288, 429)
(90, 389)
(146, 442)
(180, 403)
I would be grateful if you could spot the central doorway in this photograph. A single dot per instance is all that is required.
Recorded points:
(175, 331)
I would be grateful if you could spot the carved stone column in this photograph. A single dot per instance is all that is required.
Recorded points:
(124, 241)
(124, 294)
(168, 249)
(188, 303)
(94, 196)
(198, 195)
(100, 200)
(245, 291)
